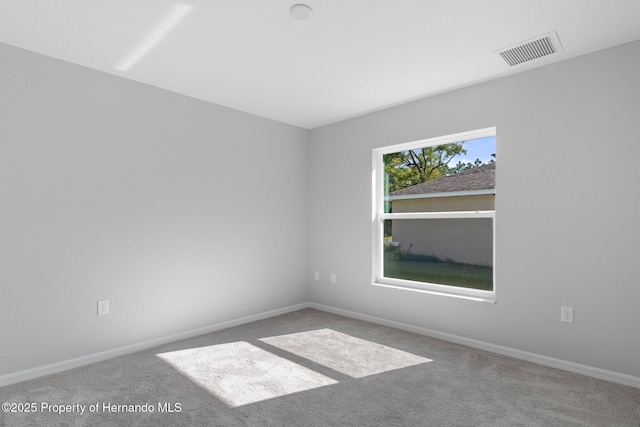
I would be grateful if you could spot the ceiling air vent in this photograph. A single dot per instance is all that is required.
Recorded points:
(531, 49)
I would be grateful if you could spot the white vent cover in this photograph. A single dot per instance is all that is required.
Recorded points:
(531, 49)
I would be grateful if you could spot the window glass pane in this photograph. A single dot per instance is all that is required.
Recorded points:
(437, 172)
(450, 177)
(455, 252)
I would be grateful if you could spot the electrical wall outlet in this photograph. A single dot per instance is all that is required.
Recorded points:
(566, 314)
(103, 307)
(333, 277)
(316, 275)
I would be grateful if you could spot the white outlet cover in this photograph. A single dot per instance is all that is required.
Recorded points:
(103, 307)
(566, 314)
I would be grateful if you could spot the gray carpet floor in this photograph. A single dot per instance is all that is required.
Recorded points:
(311, 368)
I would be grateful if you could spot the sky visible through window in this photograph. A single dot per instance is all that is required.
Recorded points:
(481, 148)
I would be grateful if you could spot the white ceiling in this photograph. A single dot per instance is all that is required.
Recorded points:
(352, 57)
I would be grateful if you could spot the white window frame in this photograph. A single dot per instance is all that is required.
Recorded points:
(379, 216)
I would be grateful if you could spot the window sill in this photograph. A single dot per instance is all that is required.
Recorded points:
(479, 296)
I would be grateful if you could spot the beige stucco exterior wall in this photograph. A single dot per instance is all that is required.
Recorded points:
(483, 202)
(467, 241)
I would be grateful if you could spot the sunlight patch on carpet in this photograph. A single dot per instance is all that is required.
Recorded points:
(239, 373)
(344, 353)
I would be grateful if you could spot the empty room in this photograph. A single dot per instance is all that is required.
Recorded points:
(356, 213)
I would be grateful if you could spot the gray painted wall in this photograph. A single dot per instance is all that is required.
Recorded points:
(182, 213)
(113, 189)
(567, 210)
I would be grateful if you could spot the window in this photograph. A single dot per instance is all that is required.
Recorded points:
(434, 215)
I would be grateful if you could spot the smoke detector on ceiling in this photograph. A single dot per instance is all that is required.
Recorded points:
(546, 44)
(301, 11)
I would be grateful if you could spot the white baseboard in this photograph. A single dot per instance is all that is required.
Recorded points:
(505, 351)
(65, 365)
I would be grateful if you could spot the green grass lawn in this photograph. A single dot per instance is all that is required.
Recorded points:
(444, 273)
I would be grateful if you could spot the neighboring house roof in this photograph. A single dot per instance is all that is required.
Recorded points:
(479, 178)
